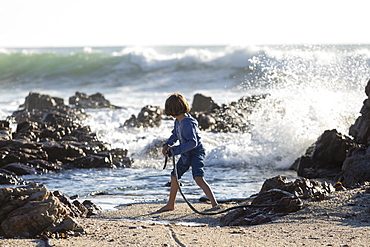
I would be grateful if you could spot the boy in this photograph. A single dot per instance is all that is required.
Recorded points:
(191, 149)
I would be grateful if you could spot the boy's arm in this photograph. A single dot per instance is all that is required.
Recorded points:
(172, 140)
(189, 133)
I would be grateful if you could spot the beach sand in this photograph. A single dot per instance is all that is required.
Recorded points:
(341, 220)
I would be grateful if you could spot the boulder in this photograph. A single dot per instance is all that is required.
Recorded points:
(44, 166)
(82, 100)
(231, 117)
(62, 152)
(338, 157)
(285, 203)
(5, 130)
(75, 206)
(119, 157)
(149, 116)
(51, 110)
(94, 161)
(202, 103)
(360, 130)
(20, 151)
(40, 101)
(324, 159)
(50, 136)
(303, 188)
(20, 169)
(279, 196)
(30, 210)
(356, 168)
(92, 208)
(8, 177)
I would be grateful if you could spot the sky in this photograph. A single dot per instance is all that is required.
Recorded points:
(56, 23)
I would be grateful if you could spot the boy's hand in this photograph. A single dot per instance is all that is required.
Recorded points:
(165, 150)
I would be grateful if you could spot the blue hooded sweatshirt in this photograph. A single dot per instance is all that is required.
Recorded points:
(187, 133)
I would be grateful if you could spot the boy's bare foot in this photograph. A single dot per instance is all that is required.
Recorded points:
(165, 209)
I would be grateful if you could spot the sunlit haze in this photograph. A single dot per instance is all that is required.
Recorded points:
(25, 23)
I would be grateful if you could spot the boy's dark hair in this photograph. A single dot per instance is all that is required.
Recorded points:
(176, 105)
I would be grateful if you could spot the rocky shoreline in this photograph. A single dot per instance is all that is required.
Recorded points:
(340, 220)
(50, 137)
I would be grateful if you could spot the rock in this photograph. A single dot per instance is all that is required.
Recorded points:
(49, 110)
(94, 161)
(338, 157)
(259, 215)
(8, 177)
(119, 157)
(210, 116)
(50, 136)
(20, 151)
(206, 121)
(5, 130)
(62, 152)
(356, 168)
(303, 188)
(149, 116)
(324, 159)
(278, 191)
(45, 166)
(68, 223)
(225, 118)
(76, 211)
(83, 211)
(28, 211)
(82, 100)
(360, 130)
(202, 103)
(40, 101)
(20, 169)
(92, 208)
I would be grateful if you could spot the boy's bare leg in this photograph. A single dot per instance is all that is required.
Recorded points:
(170, 206)
(206, 189)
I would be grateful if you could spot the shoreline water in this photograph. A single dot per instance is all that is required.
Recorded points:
(115, 186)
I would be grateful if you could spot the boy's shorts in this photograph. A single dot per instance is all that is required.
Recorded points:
(195, 161)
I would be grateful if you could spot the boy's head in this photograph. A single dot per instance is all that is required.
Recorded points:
(176, 105)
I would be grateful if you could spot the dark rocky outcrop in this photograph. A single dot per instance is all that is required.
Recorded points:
(85, 209)
(356, 167)
(255, 216)
(149, 116)
(282, 197)
(360, 130)
(203, 103)
(232, 117)
(49, 137)
(5, 131)
(339, 157)
(49, 110)
(30, 210)
(8, 177)
(33, 210)
(303, 188)
(324, 159)
(82, 100)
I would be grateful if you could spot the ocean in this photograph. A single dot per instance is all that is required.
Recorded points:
(311, 88)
